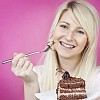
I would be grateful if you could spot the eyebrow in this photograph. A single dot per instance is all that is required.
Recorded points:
(69, 24)
(64, 22)
(80, 28)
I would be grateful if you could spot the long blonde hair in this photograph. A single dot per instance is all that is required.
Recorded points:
(89, 20)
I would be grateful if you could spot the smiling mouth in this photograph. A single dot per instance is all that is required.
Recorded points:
(67, 45)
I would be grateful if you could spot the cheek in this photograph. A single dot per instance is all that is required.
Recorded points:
(57, 35)
(82, 43)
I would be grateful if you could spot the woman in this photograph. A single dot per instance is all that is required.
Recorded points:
(73, 41)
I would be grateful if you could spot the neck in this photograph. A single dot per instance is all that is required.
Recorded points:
(69, 64)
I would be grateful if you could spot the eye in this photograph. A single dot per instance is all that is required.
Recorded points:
(63, 26)
(81, 32)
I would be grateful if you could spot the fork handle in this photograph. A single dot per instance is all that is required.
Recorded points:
(29, 54)
(7, 61)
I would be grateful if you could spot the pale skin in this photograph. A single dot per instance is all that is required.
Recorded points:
(70, 40)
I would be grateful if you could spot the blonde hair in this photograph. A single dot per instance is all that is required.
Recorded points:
(89, 20)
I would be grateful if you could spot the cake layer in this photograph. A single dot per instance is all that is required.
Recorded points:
(73, 79)
(72, 83)
(71, 86)
(72, 97)
(71, 90)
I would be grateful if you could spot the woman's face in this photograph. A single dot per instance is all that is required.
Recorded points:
(69, 37)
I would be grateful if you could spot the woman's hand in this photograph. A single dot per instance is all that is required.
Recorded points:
(22, 67)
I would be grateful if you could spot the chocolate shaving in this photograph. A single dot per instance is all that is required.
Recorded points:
(66, 75)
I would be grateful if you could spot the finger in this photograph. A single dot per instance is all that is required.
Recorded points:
(26, 65)
(15, 54)
(16, 58)
(18, 66)
(29, 69)
(26, 58)
(20, 63)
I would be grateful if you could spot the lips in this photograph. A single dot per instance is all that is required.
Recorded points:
(67, 45)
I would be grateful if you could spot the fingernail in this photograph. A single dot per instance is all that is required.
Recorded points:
(15, 54)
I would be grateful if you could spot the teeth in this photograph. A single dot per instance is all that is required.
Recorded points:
(66, 45)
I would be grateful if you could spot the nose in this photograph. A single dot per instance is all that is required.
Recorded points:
(69, 36)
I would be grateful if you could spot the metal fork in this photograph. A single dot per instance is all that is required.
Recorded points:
(29, 54)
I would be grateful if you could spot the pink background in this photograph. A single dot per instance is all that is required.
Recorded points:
(24, 26)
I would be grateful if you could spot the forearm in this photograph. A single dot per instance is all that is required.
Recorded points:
(29, 90)
(22, 67)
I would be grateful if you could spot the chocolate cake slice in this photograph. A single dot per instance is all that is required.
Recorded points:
(71, 88)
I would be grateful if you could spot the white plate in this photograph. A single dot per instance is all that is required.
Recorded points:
(51, 95)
